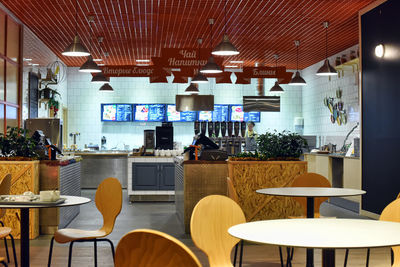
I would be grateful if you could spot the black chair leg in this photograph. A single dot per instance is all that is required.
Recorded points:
(346, 256)
(95, 253)
(112, 248)
(4, 264)
(13, 247)
(280, 256)
(291, 255)
(235, 255)
(241, 253)
(6, 248)
(50, 252)
(391, 256)
(367, 264)
(288, 260)
(70, 253)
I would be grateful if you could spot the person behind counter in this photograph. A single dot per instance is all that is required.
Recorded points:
(251, 137)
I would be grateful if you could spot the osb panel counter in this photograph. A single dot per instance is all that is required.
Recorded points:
(195, 180)
(24, 177)
(248, 176)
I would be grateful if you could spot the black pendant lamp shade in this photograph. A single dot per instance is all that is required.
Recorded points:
(76, 49)
(106, 88)
(326, 69)
(192, 89)
(297, 79)
(276, 88)
(90, 66)
(100, 78)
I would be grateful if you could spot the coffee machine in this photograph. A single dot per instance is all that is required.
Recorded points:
(164, 137)
(149, 141)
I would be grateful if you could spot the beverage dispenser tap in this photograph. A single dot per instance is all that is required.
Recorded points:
(217, 126)
(243, 128)
(203, 127)
(196, 127)
(236, 128)
(210, 129)
(230, 128)
(223, 128)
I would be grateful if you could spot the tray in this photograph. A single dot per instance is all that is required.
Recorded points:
(33, 202)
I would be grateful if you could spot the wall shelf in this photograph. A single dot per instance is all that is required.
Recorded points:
(354, 64)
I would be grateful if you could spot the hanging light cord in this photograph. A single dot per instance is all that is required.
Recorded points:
(225, 17)
(91, 36)
(276, 68)
(76, 17)
(211, 35)
(297, 58)
(326, 41)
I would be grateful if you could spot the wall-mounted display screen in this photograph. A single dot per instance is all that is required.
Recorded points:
(220, 113)
(176, 116)
(116, 112)
(149, 112)
(237, 114)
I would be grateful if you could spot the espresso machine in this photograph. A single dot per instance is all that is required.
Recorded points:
(149, 141)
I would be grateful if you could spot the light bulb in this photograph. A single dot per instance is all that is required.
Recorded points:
(379, 50)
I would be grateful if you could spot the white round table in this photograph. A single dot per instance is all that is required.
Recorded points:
(69, 201)
(328, 234)
(310, 193)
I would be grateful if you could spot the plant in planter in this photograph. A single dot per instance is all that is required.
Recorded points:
(15, 145)
(51, 95)
(281, 146)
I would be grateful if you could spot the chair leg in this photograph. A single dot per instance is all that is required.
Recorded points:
(291, 255)
(13, 247)
(235, 255)
(50, 252)
(367, 263)
(95, 253)
(70, 253)
(346, 256)
(241, 253)
(111, 245)
(4, 264)
(288, 260)
(391, 257)
(280, 256)
(6, 248)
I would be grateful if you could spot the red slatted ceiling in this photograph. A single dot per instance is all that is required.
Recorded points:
(138, 29)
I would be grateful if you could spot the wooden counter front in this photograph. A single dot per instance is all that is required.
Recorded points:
(194, 181)
(248, 176)
(24, 177)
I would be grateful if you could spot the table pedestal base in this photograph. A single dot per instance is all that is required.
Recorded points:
(25, 237)
(328, 258)
(310, 257)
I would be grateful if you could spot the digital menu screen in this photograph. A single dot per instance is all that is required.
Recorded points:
(237, 114)
(220, 113)
(175, 116)
(149, 112)
(116, 112)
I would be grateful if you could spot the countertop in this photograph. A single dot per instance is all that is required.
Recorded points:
(333, 155)
(90, 153)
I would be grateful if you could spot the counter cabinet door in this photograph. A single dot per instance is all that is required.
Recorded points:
(145, 176)
(167, 176)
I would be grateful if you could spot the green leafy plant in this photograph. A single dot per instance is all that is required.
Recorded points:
(281, 146)
(16, 144)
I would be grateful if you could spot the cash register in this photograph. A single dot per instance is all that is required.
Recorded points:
(208, 150)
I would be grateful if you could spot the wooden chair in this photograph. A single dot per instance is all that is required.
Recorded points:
(390, 213)
(109, 202)
(150, 248)
(209, 224)
(3, 261)
(5, 186)
(310, 179)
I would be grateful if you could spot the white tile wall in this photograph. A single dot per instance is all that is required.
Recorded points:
(317, 116)
(84, 101)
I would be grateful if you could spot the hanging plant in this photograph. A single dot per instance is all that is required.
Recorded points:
(54, 104)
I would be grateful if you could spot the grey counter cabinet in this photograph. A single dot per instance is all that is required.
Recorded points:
(153, 176)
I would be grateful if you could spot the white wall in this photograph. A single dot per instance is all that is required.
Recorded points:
(84, 101)
(316, 115)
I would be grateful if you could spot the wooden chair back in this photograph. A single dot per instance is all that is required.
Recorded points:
(310, 179)
(231, 190)
(5, 186)
(109, 202)
(391, 213)
(150, 248)
(209, 224)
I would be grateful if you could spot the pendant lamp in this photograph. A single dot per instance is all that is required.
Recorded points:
(90, 65)
(199, 77)
(297, 79)
(99, 76)
(192, 89)
(225, 48)
(211, 66)
(106, 88)
(326, 69)
(76, 49)
(276, 88)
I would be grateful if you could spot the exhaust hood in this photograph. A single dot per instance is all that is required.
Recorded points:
(262, 103)
(194, 102)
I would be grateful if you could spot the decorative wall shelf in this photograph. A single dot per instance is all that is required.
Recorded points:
(354, 64)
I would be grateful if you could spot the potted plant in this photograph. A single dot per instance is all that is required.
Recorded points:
(15, 145)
